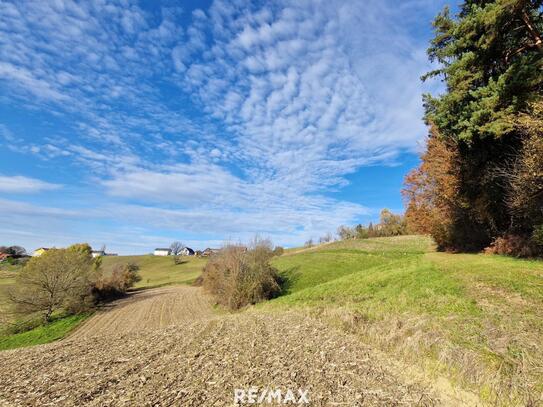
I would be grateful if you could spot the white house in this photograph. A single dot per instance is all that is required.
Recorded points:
(98, 253)
(162, 252)
(187, 251)
(39, 251)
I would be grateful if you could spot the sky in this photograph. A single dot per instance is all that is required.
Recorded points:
(136, 123)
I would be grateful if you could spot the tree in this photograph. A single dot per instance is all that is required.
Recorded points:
(392, 224)
(176, 248)
(59, 279)
(116, 284)
(371, 230)
(490, 57)
(361, 232)
(326, 238)
(15, 251)
(345, 233)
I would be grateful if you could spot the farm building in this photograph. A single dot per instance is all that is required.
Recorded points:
(162, 252)
(209, 251)
(98, 253)
(187, 251)
(39, 251)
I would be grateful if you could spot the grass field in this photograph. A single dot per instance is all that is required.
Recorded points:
(156, 271)
(476, 318)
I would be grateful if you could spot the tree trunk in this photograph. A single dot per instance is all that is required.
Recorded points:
(538, 41)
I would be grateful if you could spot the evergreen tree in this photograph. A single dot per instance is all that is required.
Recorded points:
(490, 57)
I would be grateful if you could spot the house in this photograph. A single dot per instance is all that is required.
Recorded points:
(187, 251)
(162, 252)
(209, 252)
(4, 257)
(98, 253)
(39, 251)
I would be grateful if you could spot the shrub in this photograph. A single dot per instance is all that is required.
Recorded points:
(117, 284)
(278, 251)
(237, 277)
(512, 245)
(537, 236)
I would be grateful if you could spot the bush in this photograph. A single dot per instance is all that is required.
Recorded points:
(537, 236)
(237, 277)
(278, 251)
(512, 245)
(117, 284)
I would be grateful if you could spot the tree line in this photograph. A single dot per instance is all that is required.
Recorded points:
(480, 181)
(390, 224)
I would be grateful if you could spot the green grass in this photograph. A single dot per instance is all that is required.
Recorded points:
(476, 318)
(157, 271)
(42, 334)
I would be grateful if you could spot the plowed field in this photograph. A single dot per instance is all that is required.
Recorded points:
(165, 347)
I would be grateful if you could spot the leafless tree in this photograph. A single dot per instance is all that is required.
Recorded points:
(176, 248)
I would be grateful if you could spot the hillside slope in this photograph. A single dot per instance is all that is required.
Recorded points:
(157, 271)
(477, 318)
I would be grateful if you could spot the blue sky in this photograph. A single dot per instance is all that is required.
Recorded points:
(132, 124)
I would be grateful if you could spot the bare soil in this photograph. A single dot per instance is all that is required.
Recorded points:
(142, 352)
(148, 310)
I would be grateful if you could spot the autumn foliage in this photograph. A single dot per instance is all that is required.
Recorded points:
(480, 182)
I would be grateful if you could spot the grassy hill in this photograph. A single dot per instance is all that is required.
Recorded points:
(156, 271)
(477, 318)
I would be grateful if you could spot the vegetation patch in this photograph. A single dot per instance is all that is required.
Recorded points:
(58, 328)
(237, 276)
(477, 318)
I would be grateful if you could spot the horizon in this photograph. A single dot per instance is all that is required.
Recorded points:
(135, 124)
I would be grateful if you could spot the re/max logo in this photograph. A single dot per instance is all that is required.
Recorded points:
(254, 395)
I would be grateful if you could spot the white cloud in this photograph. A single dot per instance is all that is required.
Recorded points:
(18, 184)
(290, 97)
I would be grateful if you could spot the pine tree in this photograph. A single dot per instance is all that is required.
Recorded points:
(490, 58)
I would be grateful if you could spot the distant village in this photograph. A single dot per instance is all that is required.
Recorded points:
(9, 253)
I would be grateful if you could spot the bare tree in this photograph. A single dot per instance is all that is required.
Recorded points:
(176, 248)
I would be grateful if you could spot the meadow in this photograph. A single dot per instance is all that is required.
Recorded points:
(156, 271)
(475, 318)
